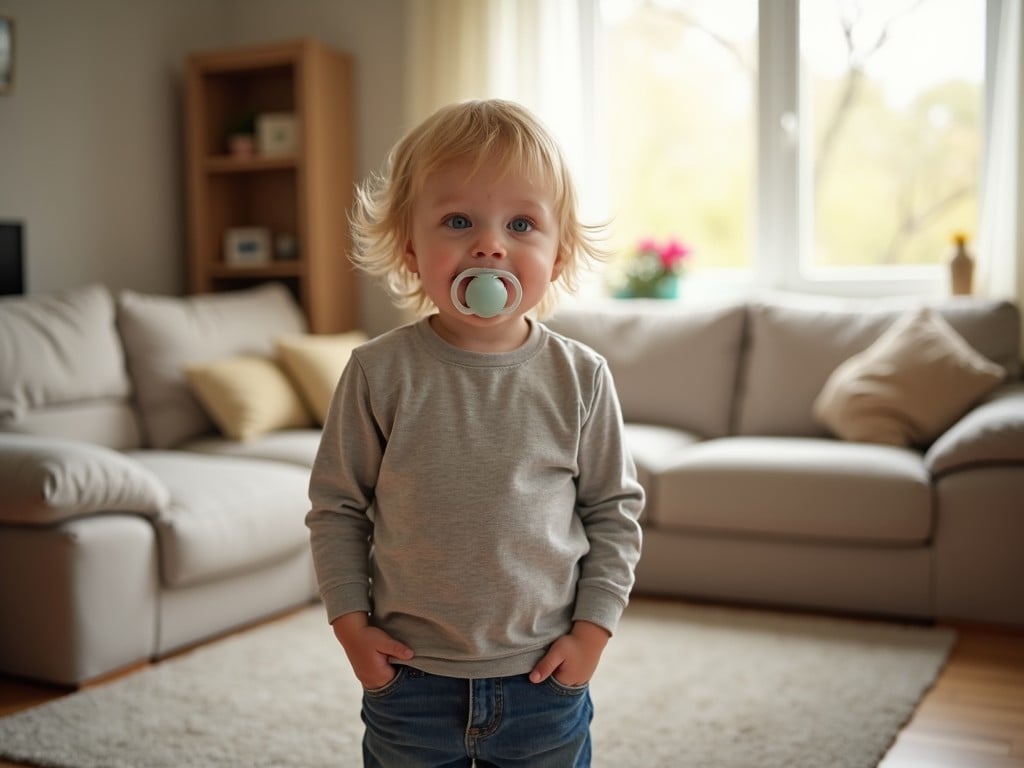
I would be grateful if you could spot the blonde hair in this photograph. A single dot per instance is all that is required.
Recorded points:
(474, 132)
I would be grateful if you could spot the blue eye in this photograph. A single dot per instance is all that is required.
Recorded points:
(457, 221)
(520, 225)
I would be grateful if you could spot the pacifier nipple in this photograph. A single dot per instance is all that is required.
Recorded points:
(486, 292)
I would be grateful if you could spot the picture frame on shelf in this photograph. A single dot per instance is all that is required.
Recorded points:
(277, 134)
(247, 246)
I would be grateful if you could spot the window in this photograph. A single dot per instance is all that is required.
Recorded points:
(797, 144)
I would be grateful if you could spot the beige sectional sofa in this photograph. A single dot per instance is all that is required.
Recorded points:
(752, 498)
(131, 527)
(128, 528)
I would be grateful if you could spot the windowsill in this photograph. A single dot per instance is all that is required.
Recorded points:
(920, 283)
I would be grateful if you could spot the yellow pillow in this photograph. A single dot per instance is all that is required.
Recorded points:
(908, 387)
(247, 396)
(315, 363)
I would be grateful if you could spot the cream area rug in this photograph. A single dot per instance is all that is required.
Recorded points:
(679, 685)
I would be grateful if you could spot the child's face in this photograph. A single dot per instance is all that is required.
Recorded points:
(486, 220)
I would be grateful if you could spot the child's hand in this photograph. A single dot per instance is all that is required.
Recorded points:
(573, 658)
(368, 649)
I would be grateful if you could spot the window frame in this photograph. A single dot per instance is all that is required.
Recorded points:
(783, 227)
(784, 175)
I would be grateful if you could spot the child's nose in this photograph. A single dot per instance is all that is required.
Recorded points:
(489, 243)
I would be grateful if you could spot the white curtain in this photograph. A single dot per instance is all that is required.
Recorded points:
(1000, 252)
(534, 52)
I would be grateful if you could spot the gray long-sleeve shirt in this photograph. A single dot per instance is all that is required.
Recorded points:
(497, 493)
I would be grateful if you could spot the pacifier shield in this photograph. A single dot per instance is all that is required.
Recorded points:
(486, 292)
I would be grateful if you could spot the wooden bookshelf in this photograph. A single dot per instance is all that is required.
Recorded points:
(304, 192)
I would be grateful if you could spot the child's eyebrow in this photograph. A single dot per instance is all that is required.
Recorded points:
(533, 205)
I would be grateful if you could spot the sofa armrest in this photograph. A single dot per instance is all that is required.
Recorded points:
(990, 433)
(46, 480)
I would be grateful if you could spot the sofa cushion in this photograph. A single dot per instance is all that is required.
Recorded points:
(909, 386)
(164, 333)
(292, 446)
(990, 326)
(797, 488)
(247, 396)
(110, 421)
(62, 369)
(673, 366)
(315, 362)
(653, 448)
(992, 434)
(47, 479)
(793, 346)
(225, 515)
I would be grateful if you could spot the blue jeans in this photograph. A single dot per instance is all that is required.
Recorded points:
(420, 720)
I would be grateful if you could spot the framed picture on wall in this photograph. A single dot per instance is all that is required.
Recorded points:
(6, 53)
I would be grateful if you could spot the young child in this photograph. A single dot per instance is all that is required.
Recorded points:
(474, 508)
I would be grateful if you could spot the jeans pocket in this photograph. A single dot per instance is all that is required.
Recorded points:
(566, 690)
(390, 687)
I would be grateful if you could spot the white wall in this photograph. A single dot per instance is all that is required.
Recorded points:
(91, 153)
(90, 138)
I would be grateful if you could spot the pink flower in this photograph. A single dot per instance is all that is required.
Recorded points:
(673, 253)
(647, 245)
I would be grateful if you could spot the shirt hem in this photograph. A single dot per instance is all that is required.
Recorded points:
(520, 664)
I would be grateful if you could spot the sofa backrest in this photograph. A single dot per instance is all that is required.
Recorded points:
(793, 345)
(162, 334)
(673, 364)
(62, 369)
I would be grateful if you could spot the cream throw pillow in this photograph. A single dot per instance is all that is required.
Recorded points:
(908, 387)
(315, 362)
(247, 396)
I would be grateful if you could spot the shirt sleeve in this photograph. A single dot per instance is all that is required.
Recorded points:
(341, 492)
(609, 502)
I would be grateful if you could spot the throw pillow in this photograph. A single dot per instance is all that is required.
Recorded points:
(908, 387)
(315, 362)
(247, 396)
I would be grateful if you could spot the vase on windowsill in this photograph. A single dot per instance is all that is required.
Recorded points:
(664, 287)
(961, 267)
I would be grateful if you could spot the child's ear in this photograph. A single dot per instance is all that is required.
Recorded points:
(558, 266)
(409, 258)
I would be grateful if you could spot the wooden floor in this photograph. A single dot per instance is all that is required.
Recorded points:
(974, 715)
(972, 718)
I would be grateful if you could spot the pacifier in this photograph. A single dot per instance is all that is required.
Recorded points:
(486, 294)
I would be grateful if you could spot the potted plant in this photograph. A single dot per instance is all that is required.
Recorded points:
(241, 136)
